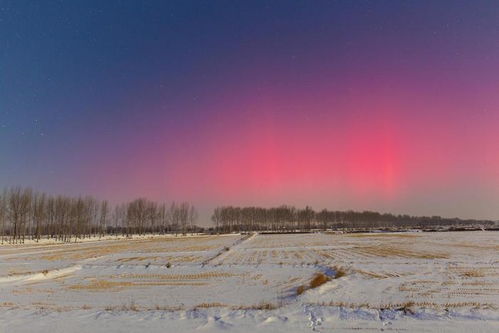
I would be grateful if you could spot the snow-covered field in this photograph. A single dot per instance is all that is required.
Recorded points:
(432, 282)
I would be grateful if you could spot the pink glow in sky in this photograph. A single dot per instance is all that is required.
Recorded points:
(386, 105)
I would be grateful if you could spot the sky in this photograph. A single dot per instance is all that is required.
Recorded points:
(390, 106)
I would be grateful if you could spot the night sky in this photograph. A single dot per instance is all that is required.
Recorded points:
(380, 105)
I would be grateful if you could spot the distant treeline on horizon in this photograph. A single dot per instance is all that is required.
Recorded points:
(229, 219)
(28, 214)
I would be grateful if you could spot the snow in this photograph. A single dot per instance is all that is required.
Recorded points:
(436, 282)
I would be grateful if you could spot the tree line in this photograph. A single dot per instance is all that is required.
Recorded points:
(288, 218)
(27, 214)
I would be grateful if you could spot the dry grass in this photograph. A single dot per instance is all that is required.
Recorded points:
(300, 290)
(409, 306)
(477, 283)
(7, 305)
(178, 277)
(167, 308)
(210, 305)
(160, 260)
(318, 280)
(325, 254)
(169, 283)
(98, 285)
(30, 290)
(392, 251)
(260, 306)
(80, 251)
(339, 272)
(181, 248)
(18, 273)
(371, 274)
(473, 273)
(264, 306)
(130, 307)
(382, 235)
(129, 259)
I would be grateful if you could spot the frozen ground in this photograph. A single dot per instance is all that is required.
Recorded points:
(431, 282)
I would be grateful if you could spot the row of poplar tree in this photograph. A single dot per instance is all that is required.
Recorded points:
(289, 218)
(27, 214)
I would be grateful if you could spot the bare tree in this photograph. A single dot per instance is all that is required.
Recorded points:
(184, 216)
(19, 209)
(217, 218)
(136, 216)
(3, 216)
(104, 211)
(192, 217)
(39, 214)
